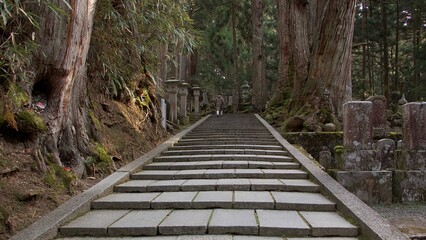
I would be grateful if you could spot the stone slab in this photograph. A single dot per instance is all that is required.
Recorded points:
(209, 165)
(190, 174)
(236, 237)
(213, 199)
(274, 158)
(183, 165)
(206, 237)
(302, 201)
(219, 173)
(236, 184)
(185, 222)
(154, 175)
(133, 186)
(266, 185)
(300, 185)
(249, 173)
(94, 223)
(125, 201)
(409, 186)
(261, 164)
(138, 223)
(199, 185)
(284, 173)
(253, 200)
(281, 223)
(235, 164)
(233, 221)
(157, 166)
(165, 185)
(334, 226)
(173, 200)
(286, 165)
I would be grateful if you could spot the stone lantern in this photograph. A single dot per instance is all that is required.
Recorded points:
(196, 92)
(183, 93)
(245, 92)
(172, 89)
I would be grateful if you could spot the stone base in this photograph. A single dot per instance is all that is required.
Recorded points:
(409, 186)
(411, 160)
(372, 187)
(359, 160)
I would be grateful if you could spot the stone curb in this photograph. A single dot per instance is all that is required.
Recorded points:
(47, 226)
(372, 225)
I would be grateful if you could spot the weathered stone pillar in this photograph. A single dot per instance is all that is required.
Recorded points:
(410, 178)
(183, 93)
(172, 89)
(359, 163)
(205, 99)
(378, 117)
(196, 92)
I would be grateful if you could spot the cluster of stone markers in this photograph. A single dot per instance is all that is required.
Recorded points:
(227, 177)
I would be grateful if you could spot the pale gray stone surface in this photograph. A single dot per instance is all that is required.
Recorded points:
(213, 199)
(302, 201)
(165, 185)
(237, 184)
(157, 166)
(199, 185)
(94, 223)
(266, 184)
(209, 164)
(133, 186)
(261, 164)
(173, 200)
(185, 174)
(281, 223)
(274, 158)
(257, 238)
(138, 223)
(219, 173)
(304, 185)
(183, 165)
(195, 222)
(154, 174)
(253, 200)
(286, 165)
(334, 225)
(284, 173)
(235, 164)
(233, 221)
(249, 173)
(205, 237)
(125, 201)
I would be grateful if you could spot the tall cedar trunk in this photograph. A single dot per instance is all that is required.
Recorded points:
(315, 56)
(329, 74)
(396, 80)
(260, 85)
(236, 88)
(385, 82)
(162, 66)
(65, 41)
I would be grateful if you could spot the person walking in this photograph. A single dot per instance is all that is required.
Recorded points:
(220, 104)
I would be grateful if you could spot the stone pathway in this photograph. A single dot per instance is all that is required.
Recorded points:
(227, 179)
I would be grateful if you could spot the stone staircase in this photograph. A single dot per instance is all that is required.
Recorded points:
(229, 178)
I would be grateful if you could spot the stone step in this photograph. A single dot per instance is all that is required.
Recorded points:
(220, 136)
(219, 165)
(210, 237)
(227, 146)
(225, 151)
(224, 157)
(110, 223)
(216, 199)
(231, 184)
(219, 173)
(184, 142)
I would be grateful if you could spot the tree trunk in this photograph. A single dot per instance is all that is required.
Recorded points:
(236, 88)
(315, 57)
(396, 80)
(162, 66)
(65, 43)
(260, 85)
(385, 82)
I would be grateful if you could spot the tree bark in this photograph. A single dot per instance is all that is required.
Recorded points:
(236, 88)
(385, 82)
(260, 85)
(65, 43)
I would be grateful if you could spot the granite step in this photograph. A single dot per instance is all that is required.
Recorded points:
(216, 199)
(220, 164)
(263, 222)
(227, 146)
(226, 141)
(225, 151)
(230, 184)
(224, 157)
(219, 173)
(209, 237)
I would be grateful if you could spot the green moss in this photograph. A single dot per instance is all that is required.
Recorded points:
(59, 177)
(339, 149)
(103, 159)
(95, 120)
(30, 121)
(17, 95)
